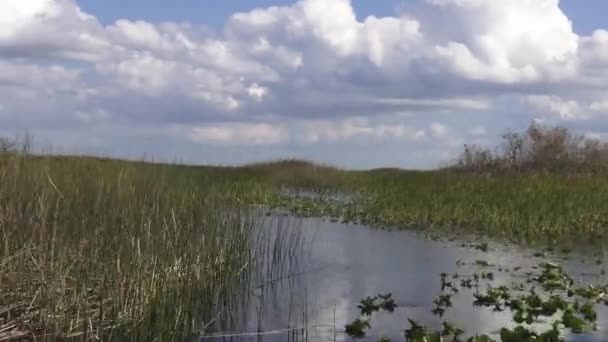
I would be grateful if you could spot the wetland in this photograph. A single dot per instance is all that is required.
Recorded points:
(498, 246)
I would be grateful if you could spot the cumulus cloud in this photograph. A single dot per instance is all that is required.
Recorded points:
(306, 74)
(508, 41)
(51, 28)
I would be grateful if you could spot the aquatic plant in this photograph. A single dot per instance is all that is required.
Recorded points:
(559, 305)
(419, 333)
(357, 328)
(367, 307)
(441, 303)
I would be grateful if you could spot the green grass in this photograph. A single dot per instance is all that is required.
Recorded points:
(526, 207)
(105, 248)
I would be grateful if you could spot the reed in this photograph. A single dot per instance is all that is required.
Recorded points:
(97, 249)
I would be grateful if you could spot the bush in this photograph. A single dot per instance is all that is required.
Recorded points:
(538, 149)
(7, 145)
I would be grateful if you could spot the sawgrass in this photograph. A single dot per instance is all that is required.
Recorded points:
(103, 249)
(521, 207)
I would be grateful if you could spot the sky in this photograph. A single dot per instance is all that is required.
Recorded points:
(357, 84)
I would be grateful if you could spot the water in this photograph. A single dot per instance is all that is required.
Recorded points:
(344, 263)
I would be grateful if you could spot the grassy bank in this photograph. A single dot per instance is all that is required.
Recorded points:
(101, 249)
(543, 185)
(518, 207)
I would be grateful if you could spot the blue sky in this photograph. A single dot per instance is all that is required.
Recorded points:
(233, 82)
(206, 12)
(587, 15)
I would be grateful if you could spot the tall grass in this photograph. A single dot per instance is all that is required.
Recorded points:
(523, 208)
(545, 185)
(94, 249)
(295, 173)
(518, 207)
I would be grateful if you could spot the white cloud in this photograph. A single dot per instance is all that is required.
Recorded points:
(570, 109)
(599, 106)
(35, 77)
(307, 132)
(95, 115)
(508, 40)
(566, 109)
(438, 130)
(58, 28)
(592, 62)
(239, 134)
(308, 73)
(140, 34)
(256, 91)
(17, 16)
(323, 131)
(419, 135)
(478, 131)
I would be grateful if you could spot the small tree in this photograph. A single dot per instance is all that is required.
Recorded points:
(512, 149)
(539, 148)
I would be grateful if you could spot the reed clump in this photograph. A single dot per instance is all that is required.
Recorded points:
(97, 249)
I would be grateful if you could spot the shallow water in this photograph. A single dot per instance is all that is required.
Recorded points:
(344, 263)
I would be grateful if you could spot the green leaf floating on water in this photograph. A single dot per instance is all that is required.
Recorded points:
(368, 306)
(419, 333)
(517, 335)
(588, 312)
(451, 330)
(575, 323)
(481, 338)
(521, 333)
(357, 328)
(555, 304)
